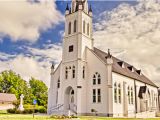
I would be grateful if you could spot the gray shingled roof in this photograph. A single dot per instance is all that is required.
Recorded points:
(4, 97)
(124, 71)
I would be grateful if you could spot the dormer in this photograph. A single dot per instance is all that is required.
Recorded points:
(131, 68)
(121, 63)
(139, 72)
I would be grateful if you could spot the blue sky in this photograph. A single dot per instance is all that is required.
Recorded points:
(53, 33)
(31, 35)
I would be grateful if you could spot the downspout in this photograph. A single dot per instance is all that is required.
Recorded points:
(135, 96)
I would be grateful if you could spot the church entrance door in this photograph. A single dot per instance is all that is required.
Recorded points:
(69, 99)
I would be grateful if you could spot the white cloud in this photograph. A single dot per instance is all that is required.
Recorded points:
(24, 20)
(136, 30)
(37, 66)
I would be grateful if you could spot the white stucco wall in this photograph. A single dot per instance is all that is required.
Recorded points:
(96, 65)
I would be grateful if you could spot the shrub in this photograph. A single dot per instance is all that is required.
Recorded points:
(42, 110)
(28, 111)
(11, 110)
(63, 117)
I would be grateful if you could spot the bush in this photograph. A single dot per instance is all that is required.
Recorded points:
(63, 117)
(11, 110)
(28, 111)
(42, 110)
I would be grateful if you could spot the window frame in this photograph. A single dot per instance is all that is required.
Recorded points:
(69, 28)
(88, 29)
(98, 95)
(83, 72)
(73, 72)
(84, 26)
(75, 26)
(119, 93)
(66, 73)
(71, 48)
(115, 93)
(94, 98)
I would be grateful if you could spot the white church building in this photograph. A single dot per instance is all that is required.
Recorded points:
(89, 81)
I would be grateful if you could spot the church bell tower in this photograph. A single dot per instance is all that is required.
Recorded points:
(78, 30)
(78, 36)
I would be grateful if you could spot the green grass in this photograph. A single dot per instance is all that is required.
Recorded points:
(38, 117)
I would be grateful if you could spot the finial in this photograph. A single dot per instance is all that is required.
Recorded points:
(52, 67)
(70, 11)
(67, 8)
(90, 8)
(108, 54)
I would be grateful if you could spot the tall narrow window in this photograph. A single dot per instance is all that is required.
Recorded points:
(58, 84)
(99, 95)
(94, 95)
(115, 92)
(99, 79)
(128, 95)
(119, 93)
(69, 28)
(84, 26)
(94, 79)
(75, 26)
(73, 72)
(88, 29)
(66, 73)
(131, 95)
(83, 72)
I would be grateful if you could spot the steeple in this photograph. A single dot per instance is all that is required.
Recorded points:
(79, 5)
(90, 10)
(78, 30)
(67, 9)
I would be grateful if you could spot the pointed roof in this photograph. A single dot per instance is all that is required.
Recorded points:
(52, 67)
(123, 71)
(67, 7)
(90, 8)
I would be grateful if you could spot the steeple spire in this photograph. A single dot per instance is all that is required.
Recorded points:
(67, 7)
(90, 8)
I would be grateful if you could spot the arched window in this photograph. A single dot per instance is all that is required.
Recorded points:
(66, 73)
(94, 79)
(69, 28)
(75, 26)
(88, 29)
(99, 79)
(73, 72)
(84, 26)
(115, 92)
(119, 93)
(131, 95)
(58, 84)
(83, 72)
(128, 94)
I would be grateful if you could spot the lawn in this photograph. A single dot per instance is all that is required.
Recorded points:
(38, 117)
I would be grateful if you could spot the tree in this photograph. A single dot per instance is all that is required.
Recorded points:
(39, 90)
(10, 82)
